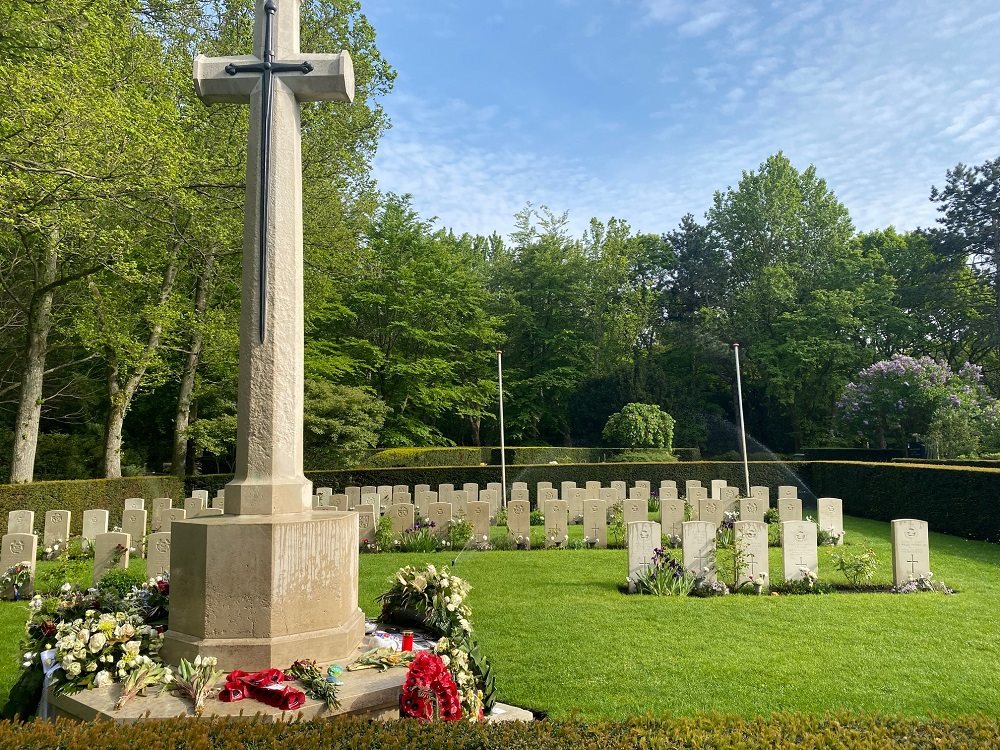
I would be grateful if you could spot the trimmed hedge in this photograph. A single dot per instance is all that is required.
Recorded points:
(78, 495)
(958, 500)
(984, 463)
(473, 456)
(853, 454)
(776, 732)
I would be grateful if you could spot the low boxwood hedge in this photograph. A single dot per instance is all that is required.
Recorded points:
(78, 495)
(776, 732)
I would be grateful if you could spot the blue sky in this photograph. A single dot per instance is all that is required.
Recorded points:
(642, 109)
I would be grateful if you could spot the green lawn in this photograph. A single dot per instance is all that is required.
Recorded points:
(563, 638)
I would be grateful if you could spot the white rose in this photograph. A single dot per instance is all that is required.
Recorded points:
(103, 678)
(74, 669)
(97, 642)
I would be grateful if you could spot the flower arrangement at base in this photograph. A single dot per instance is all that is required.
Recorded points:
(455, 656)
(429, 692)
(100, 648)
(15, 578)
(151, 600)
(319, 685)
(146, 674)
(436, 600)
(196, 680)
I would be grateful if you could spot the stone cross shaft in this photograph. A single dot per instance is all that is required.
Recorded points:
(274, 80)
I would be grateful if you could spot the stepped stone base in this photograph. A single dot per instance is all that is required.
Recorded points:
(262, 591)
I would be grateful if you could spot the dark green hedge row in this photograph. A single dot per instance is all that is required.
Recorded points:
(957, 500)
(984, 463)
(777, 732)
(469, 456)
(78, 495)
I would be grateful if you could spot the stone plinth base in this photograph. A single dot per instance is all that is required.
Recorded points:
(264, 591)
(368, 693)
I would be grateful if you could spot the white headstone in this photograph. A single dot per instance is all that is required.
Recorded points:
(595, 522)
(830, 511)
(158, 554)
(374, 500)
(134, 524)
(440, 515)
(402, 517)
(424, 500)
(110, 551)
(56, 527)
(752, 508)
(621, 489)
(564, 488)
(710, 509)
(788, 490)
(519, 493)
(698, 543)
(798, 550)
(160, 504)
(21, 522)
(94, 522)
(789, 509)
(671, 515)
(752, 536)
(643, 538)
(556, 514)
(169, 516)
(592, 490)
(15, 549)
(478, 513)
(911, 558)
(717, 485)
(201, 495)
(634, 511)
(366, 521)
(691, 484)
(135, 503)
(353, 493)
(519, 523)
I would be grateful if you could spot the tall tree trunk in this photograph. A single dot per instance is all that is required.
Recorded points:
(183, 415)
(120, 396)
(475, 422)
(29, 406)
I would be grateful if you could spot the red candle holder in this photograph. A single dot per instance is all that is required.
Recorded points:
(407, 640)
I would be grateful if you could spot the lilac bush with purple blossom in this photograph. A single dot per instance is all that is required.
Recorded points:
(895, 399)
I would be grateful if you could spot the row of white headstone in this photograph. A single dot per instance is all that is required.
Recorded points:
(800, 554)
(136, 521)
(111, 549)
(694, 491)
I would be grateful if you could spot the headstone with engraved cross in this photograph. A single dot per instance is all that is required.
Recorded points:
(751, 540)
(595, 522)
(519, 523)
(698, 545)
(643, 537)
(910, 550)
(297, 569)
(799, 555)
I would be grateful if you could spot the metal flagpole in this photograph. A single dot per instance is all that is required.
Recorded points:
(743, 432)
(503, 447)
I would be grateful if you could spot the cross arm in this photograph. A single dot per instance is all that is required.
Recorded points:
(330, 80)
(213, 84)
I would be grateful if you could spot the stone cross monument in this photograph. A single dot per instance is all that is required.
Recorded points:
(269, 582)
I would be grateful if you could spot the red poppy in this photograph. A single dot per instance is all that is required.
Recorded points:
(429, 692)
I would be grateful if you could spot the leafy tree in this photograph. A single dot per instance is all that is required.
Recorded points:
(896, 399)
(640, 426)
(794, 292)
(345, 419)
(970, 207)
